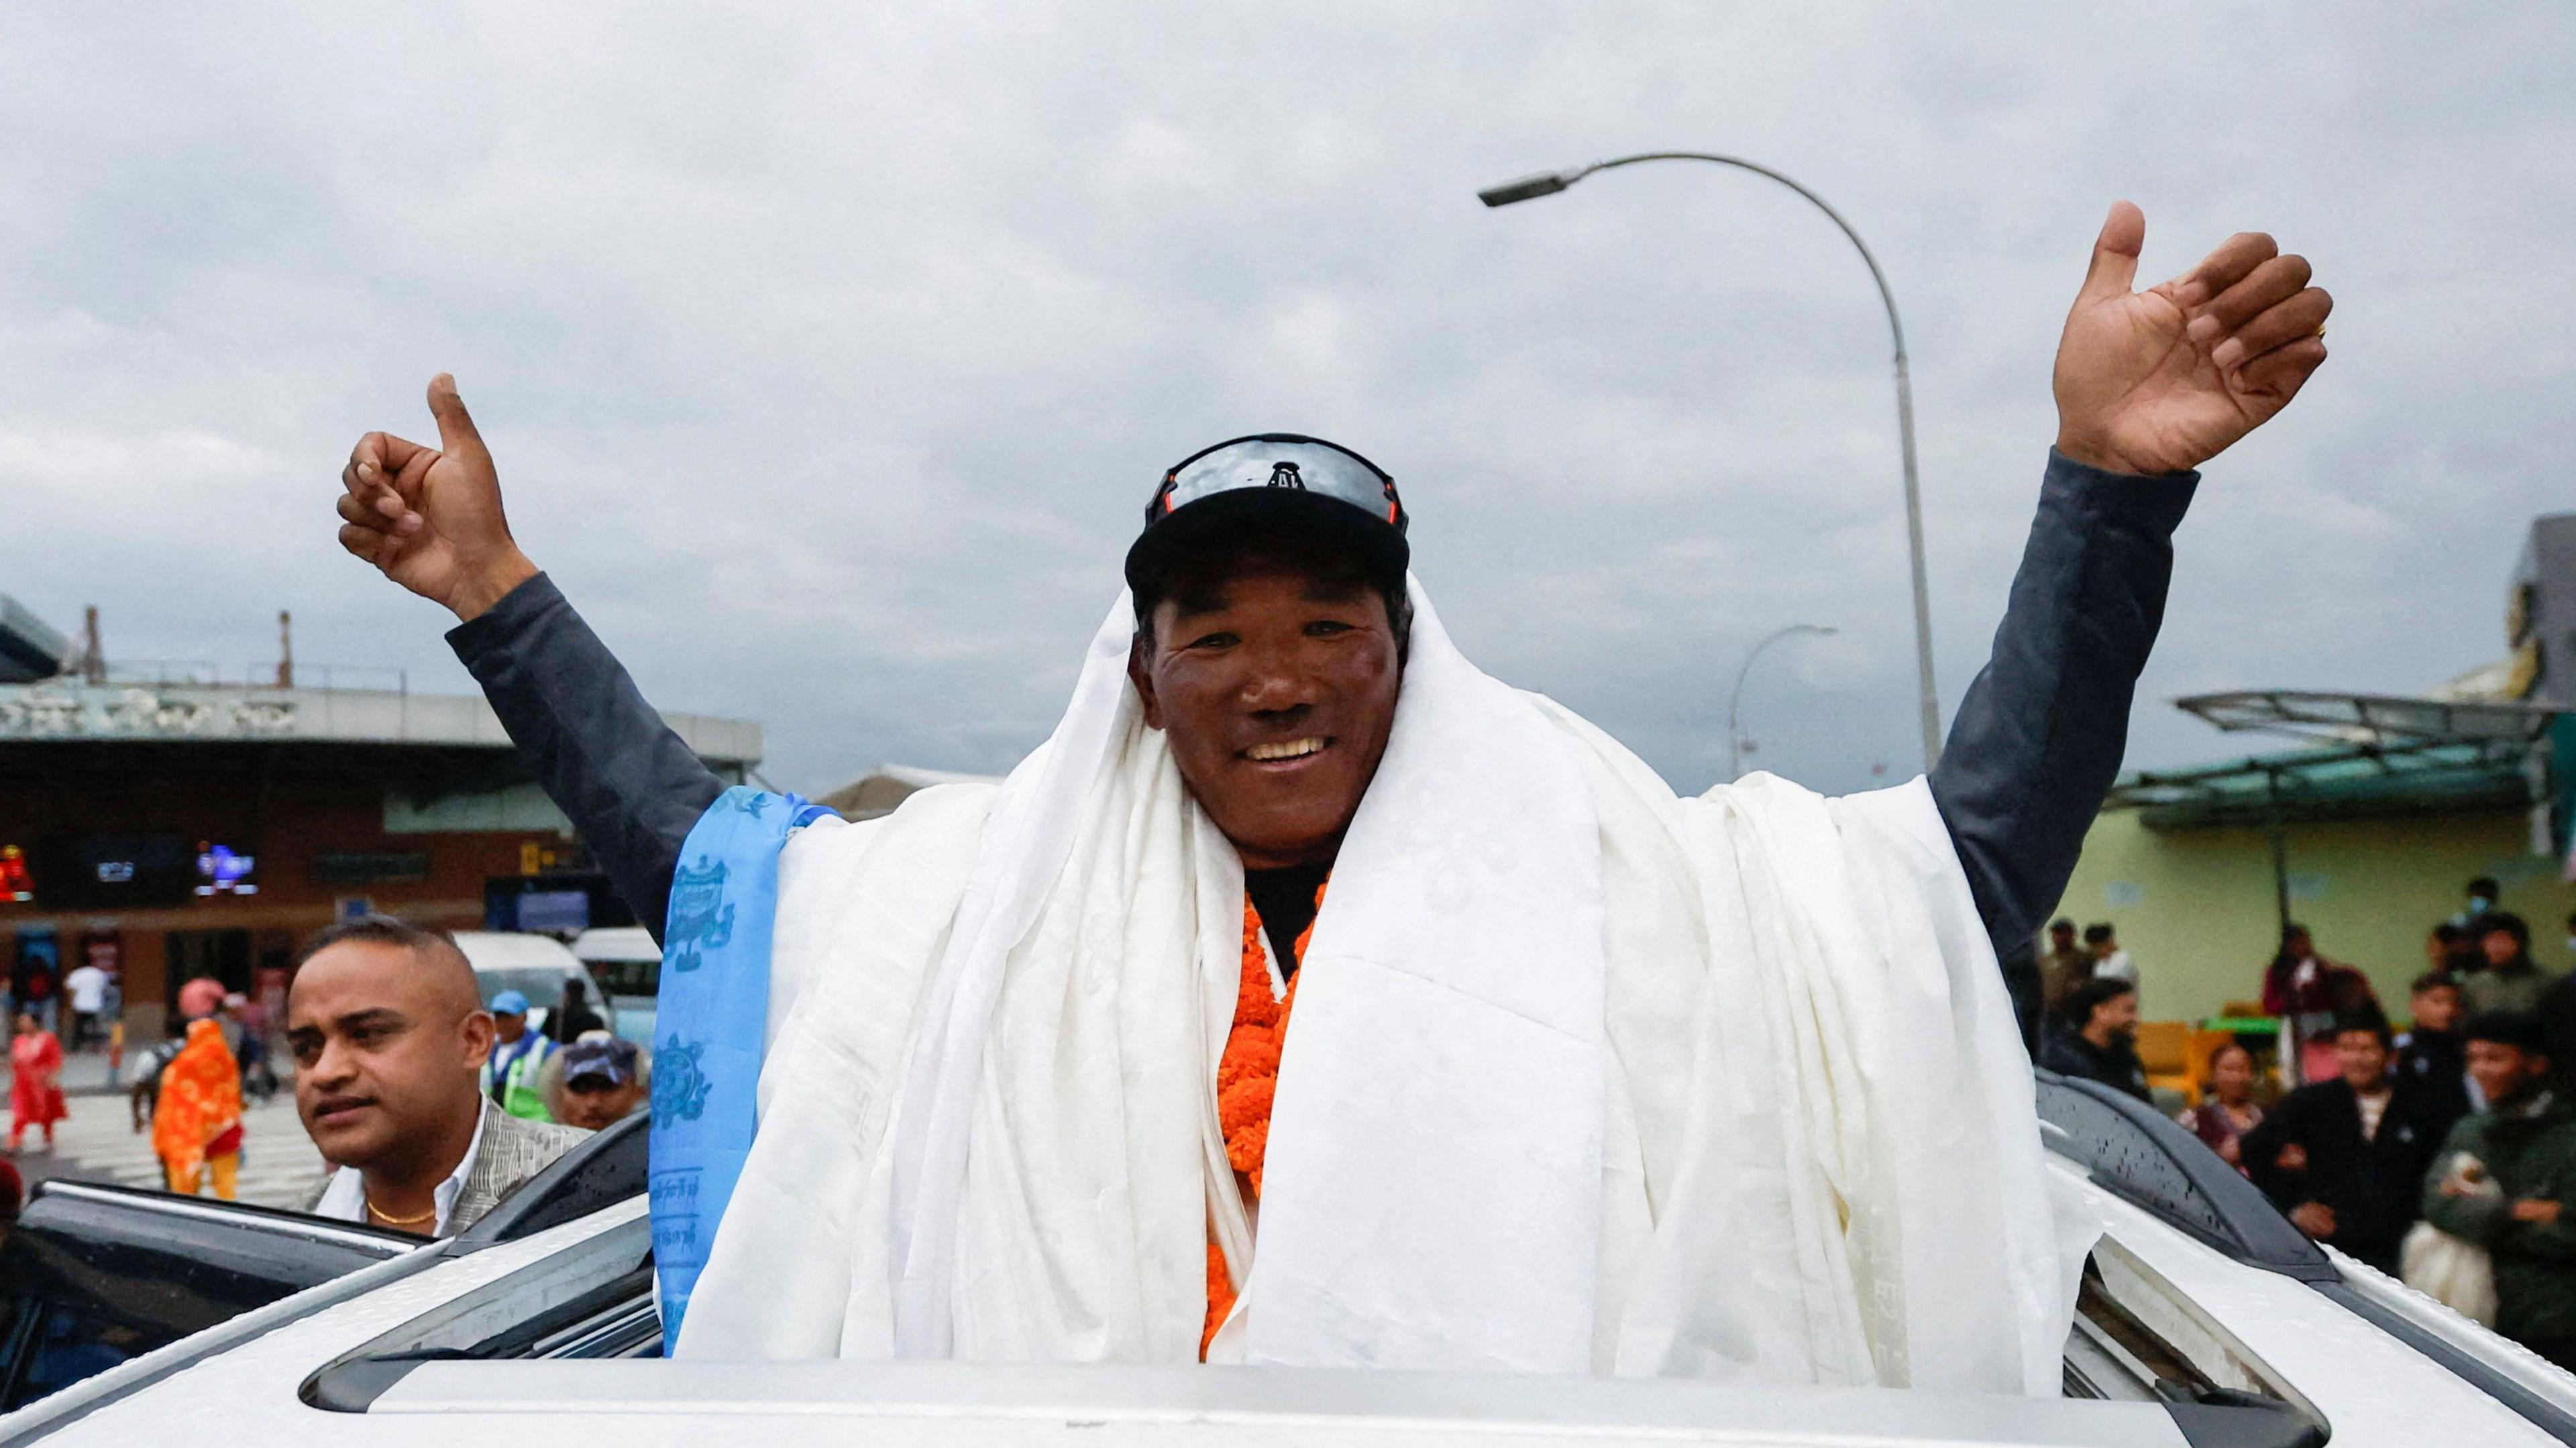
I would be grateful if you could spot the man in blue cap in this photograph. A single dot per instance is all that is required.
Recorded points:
(1475, 1155)
(518, 1055)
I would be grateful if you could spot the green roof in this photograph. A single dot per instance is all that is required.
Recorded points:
(2333, 782)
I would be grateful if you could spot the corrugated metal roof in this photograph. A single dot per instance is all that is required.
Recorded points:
(2370, 719)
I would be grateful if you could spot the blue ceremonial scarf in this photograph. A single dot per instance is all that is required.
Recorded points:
(710, 1021)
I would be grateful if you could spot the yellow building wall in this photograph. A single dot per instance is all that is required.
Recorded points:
(2195, 907)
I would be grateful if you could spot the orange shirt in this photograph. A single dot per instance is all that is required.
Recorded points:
(1247, 1076)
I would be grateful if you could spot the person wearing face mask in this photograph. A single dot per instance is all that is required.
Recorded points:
(2482, 894)
(1026, 1043)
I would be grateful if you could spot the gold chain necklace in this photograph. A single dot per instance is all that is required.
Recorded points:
(389, 1219)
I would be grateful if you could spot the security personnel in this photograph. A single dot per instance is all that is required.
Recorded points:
(518, 1054)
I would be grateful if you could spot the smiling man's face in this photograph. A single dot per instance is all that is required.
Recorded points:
(387, 1042)
(1276, 687)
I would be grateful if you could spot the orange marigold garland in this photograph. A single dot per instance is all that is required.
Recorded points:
(1247, 1078)
(1220, 1298)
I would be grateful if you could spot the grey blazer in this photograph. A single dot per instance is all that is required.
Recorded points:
(511, 1151)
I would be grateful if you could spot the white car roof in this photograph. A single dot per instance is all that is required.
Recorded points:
(616, 942)
(510, 950)
(2375, 1391)
(354, 1362)
(663, 1404)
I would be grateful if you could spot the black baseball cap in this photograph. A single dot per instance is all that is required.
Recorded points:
(1270, 482)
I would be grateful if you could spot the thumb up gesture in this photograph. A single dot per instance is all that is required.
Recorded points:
(430, 518)
(2165, 379)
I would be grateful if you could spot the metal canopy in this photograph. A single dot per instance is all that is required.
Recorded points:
(2371, 755)
(2350, 782)
(2370, 719)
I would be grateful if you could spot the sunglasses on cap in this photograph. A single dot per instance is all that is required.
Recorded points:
(1279, 460)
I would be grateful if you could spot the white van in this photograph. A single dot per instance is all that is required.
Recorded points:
(625, 959)
(536, 966)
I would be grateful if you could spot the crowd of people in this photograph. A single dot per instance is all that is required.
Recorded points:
(429, 1104)
(2443, 1154)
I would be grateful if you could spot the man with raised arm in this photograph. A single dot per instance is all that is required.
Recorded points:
(1584, 1076)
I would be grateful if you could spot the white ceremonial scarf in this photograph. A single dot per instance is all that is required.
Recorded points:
(1584, 1077)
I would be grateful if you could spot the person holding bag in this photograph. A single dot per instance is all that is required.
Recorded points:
(2524, 1145)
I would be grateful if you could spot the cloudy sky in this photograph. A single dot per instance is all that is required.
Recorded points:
(830, 351)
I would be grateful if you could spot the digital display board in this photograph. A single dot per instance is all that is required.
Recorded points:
(554, 912)
(222, 870)
(110, 872)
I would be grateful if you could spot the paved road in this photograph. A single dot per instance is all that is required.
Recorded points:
(98, 1143)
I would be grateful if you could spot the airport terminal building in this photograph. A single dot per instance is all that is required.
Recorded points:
(175, 830)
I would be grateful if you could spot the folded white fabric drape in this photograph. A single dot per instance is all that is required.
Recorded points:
(1584, 1077)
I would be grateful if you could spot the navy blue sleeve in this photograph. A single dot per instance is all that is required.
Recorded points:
(2038, 737)
(629, 785)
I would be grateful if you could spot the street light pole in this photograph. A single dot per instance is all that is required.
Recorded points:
(1548, 183)
(1735, 697)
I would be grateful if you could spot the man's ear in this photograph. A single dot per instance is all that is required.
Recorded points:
(1138, 675)
(478, 1039)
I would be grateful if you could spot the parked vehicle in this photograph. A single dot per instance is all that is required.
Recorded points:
(2203, 1319)
(627, 960)
(535, 966)
(92, 1276)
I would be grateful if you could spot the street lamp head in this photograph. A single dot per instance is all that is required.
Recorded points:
(1528, 188)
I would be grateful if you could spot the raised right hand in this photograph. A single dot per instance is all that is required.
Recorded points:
(430, 518)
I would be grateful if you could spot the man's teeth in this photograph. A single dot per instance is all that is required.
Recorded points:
(1285, 749)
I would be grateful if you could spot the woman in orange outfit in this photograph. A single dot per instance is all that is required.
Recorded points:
(197, 1127)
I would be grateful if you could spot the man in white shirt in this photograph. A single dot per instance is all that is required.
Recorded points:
(87, 987)
(2110, 962)
(390, 1039)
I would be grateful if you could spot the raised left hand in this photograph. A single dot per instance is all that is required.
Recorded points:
(2163, 380)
